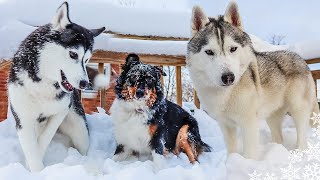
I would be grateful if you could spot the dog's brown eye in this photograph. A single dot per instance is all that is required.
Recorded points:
(233, 49)
(73, 55)
(209, 52)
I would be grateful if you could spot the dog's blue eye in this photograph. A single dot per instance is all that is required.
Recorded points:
(209, 52)
(73, 55)
(233, 49)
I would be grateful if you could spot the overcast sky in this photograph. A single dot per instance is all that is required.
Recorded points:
(297, 20)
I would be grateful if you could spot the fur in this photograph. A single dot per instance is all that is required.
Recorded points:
(144, 121)
(46, 72)
(237, 85)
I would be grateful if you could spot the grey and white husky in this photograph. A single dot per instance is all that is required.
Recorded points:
(238, 85)
(47, 70)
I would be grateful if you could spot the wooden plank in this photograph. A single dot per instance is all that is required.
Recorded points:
(100, 56)
(313, 61)
(316, 74)
(154, 38)
(196, 99)
(179, 85)
(102, 91)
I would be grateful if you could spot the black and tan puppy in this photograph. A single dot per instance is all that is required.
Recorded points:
(145, 121)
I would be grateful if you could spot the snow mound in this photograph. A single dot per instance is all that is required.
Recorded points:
(66, 163)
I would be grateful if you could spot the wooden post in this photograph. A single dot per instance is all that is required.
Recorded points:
(196, 99)
(162, 78)
(179, 85)
(315, 82)
(102, 91)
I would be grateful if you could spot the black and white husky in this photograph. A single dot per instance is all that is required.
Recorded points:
(48, 67)
(145, 121)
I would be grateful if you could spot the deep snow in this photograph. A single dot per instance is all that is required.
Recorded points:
(66, 163)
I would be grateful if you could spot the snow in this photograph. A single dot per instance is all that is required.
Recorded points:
(66, 163)
(140, 17)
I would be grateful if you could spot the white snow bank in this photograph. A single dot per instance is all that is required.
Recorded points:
(66, 163)
(141, 17)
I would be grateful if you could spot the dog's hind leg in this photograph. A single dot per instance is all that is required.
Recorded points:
(275, 124)
(182, 144)
(301, 119)
(230, 136)
(75, 127)
(49, 131)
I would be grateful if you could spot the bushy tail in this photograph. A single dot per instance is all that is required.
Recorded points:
(194, 135)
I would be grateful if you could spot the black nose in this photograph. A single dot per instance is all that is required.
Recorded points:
(83, 84)
(227, 78)
(140, 93)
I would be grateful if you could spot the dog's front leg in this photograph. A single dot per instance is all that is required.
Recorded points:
(27, 137)
(49, 131)
(230, 136)
(250, 135)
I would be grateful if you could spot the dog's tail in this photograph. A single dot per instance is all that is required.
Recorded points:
(99, 80)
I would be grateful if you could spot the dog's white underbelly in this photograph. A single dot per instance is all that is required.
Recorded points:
(130, 127)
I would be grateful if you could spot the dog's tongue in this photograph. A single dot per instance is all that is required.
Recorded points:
(68, 86)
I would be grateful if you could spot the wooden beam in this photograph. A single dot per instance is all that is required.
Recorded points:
(102, 91)
(196, 99)
(100, 56)
(154, 38)
(313, 61)
(179, 85)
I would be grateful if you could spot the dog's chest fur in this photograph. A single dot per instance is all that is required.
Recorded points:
(130, 127)
(43, 96)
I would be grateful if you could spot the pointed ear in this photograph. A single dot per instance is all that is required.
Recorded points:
(96, 32)
(61, 19)
(160, 69)
(132, 59)
(198, 19)
(232, 15)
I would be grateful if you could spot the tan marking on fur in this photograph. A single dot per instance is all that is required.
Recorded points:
(129, 92)
(152, 129)
(182, 144)
(152, 97)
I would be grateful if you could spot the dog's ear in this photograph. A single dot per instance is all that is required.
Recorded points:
(61, 19)
(97, 32)
(232, 15)
(198, 19)
(160, 69)
(132, 59)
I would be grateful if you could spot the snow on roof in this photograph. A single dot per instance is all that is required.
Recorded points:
(166, 19)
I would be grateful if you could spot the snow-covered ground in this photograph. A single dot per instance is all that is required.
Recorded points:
(66, 163)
